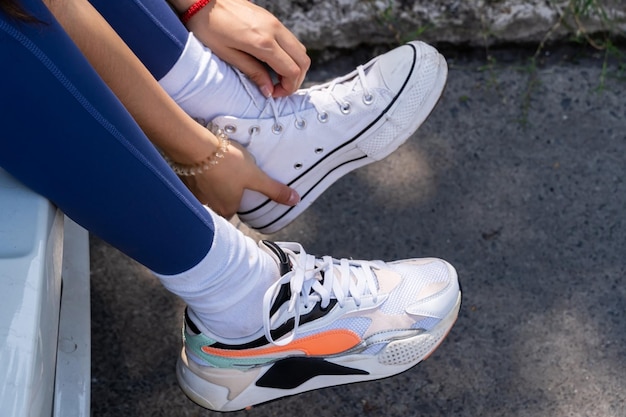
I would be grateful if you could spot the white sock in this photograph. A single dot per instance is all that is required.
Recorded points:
(225, 289)
(205, 86)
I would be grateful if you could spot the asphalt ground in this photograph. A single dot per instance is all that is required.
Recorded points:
(518, 178)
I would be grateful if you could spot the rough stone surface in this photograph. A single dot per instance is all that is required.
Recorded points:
(320, 24)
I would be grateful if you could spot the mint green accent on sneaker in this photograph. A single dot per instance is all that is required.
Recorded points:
(194, 344)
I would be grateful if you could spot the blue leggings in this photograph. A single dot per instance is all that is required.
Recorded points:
(67, 137)
(150, 28)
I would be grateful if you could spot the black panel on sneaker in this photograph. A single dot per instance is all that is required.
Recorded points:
(290, 373)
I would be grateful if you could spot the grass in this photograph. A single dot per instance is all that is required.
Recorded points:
(388, 20)
(572, 17)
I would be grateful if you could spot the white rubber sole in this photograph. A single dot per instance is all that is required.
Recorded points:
(271, 217)
(232, 389)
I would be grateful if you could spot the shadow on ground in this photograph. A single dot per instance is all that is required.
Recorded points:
(521, 186)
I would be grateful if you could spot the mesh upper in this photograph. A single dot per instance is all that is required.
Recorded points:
(414, 278)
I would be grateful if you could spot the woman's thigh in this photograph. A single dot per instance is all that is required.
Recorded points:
(66, 136)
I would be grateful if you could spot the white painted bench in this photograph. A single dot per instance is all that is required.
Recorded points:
(45, 339)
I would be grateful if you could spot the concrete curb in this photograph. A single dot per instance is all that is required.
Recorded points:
(348, 23)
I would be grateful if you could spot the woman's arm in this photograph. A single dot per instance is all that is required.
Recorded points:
(167, 126)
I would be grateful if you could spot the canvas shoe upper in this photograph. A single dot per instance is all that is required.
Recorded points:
(327, 322)
(310, 139)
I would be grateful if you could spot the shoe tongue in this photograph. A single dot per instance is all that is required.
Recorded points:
(333, 91)
(281, 258)
(284, 266)
(348, 86)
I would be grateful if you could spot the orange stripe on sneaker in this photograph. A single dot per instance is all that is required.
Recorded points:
(326, 343)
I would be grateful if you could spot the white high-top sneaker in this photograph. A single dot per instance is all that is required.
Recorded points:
(312, 138)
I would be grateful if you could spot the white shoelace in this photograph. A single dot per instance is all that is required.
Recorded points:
(297, 102)
(314, 280)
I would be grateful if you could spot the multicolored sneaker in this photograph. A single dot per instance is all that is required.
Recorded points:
(326, 322)
(312, 138)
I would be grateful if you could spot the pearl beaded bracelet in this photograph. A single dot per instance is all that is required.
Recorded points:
(207, 163)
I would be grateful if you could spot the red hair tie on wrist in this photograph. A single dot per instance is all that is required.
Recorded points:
(192, 10)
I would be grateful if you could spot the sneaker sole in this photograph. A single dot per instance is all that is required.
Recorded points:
(270, 217)
(209, 387)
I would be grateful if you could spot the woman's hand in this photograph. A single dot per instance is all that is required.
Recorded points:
(222, 186)
(246, 36)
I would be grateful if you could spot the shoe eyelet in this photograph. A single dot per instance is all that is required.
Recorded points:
(322, 117)
(230, 129)
(297, 165)
(319, 150)
(368, 99)
(277, 128)
(254, 130)
(300, 124)
(345, 108)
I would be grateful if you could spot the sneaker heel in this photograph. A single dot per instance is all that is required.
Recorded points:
(199, 390)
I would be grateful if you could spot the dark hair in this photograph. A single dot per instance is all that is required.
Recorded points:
(14, 9)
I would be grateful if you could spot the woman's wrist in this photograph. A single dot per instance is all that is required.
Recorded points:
(193, 10)
(186, 9)
(186, 167)
(189, 144)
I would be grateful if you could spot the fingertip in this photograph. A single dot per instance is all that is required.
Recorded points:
(294, 198)
(286, 195)
(280, 91)
(267, 90)
(259, 75)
